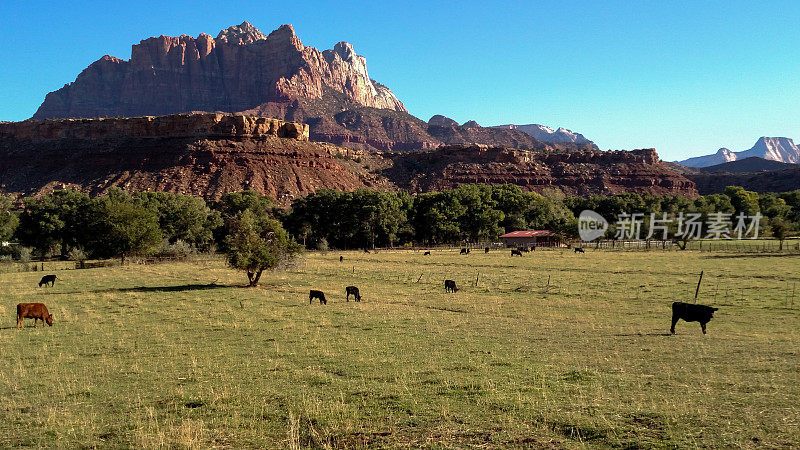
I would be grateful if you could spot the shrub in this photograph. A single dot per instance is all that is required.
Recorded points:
(22, 254)
(76, 254)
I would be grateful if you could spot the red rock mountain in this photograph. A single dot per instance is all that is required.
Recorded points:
(239, 70)
(244, 70)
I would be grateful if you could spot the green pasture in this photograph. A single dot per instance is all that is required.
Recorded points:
(552, 349)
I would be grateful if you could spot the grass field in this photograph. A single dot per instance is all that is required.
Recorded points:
(181, 355)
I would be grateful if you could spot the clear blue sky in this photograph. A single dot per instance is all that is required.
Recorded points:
(683, 77)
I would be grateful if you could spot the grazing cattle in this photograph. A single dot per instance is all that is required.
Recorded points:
(312, 294)
(464, 251)
(366, 250)
(516, 252)
(450, 286)
(486, 250)
(691, 313)
(48, 279)
(354, 291)
(426, 253)
(341, 258)
(35, 311)
(579, 250)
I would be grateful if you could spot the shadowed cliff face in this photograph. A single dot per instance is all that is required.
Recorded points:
(239, 70)
(574, 173)
(205, 155)
(210, 154)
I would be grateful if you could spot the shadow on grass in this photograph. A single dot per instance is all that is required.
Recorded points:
(753, 255)
(180, 288)
(642, 334)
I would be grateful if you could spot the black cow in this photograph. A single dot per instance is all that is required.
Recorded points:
(486, 250)
(352, 290)
(464, 251)
(579, 250)
(426, 253)
(48, 279)
(450, 286)
(516, 252)
(366, 250)
(691, 313)
(312, 294)
(341, 258)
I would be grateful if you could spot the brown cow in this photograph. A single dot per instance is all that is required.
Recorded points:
(36, 311)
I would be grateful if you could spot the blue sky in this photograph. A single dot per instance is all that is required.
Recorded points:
(683, 77)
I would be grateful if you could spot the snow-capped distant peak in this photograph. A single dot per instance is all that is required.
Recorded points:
(773, 148)
(547, 134)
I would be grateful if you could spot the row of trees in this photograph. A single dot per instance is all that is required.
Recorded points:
(257, 235)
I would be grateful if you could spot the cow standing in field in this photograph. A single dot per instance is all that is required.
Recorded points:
(312, 294)
(579, 250)
(450, 286)
(691, 313)
(464, 251)
(354, 291)
(341, 258)
(516, 252)
(35, 311)
(426, 254)
(48, 279)
(486, 250)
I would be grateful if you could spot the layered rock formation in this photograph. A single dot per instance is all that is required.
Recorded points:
(199, 154)
(574, 173)
(239, 70)
(209, 154)
(244, 70)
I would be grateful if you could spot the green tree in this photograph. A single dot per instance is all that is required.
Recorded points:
(780, 229)
(182, 217)
(120, 226)
(513, 203)
(8, 218)
(436, 217)
(480, 219)
(55, 222)
(257, 243)
(743, 201)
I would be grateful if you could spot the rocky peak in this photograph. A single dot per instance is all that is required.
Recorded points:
(471, 124)
(245, 33)
(439, 120)
(240, 70)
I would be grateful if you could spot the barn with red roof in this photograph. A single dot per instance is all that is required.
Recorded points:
(531, 238)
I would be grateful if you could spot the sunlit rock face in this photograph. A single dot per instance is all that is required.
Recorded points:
(238, 70)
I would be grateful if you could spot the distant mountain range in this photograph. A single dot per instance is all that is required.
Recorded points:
(547, 134)
(779, 149)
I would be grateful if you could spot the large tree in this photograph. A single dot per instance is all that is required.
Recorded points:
(182, 217)
(257, 243)
(55, 222)
(120, 226)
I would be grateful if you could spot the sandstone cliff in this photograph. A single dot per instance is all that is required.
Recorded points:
(239, 70)
(204, 155)
(574, 173)
(244, 70)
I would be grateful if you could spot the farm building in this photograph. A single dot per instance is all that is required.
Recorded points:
(531, 238)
